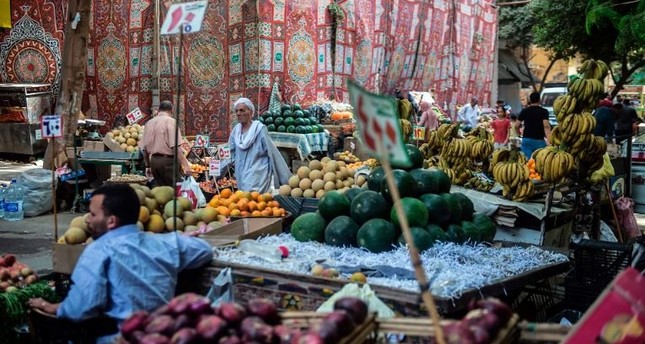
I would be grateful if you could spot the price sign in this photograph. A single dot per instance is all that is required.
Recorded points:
(39, 134)
(134, 116)
(224, 152)
(419, 133)
(213, 168)
(51, 126)
(201, 141)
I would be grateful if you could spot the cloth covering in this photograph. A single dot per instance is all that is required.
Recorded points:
(127, 270)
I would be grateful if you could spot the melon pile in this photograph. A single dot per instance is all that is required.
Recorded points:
(156, 210)
(320, 177)
(127, 137)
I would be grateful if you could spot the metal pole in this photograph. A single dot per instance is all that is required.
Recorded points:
(175, 162)
(54, 154)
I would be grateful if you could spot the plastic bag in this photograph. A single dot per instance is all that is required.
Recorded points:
(625, 212)
(191, 190)
(365, 293)
(222, 289)
(36, 178)
(39, 202)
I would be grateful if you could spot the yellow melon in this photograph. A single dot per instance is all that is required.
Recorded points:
(305, 184)
(294, 181)
(330, 186)
(329, 177)
(75, 236)
(79, 222)
(144, 214)
(170, 224)
(162, 194)
(315, 165)
(303, 172)
(285, 190)
(309, 193)
(156, 224)
(317, 184)
(320, 193)
(207, 214)
(297, 192)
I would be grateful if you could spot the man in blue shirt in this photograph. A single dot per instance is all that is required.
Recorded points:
(124, 269)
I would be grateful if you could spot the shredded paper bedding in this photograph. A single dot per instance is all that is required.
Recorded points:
(451, 269)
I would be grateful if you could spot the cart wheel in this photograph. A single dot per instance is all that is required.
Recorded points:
(286, 156)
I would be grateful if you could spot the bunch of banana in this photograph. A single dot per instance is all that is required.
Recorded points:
(524, 191)
(480, 182)
(553, 164)
(446, 131)
(563, 106)
(575, 125)
(591, 158)
(432, 161)
(481, 142)
(406, 129)
(433, 146)
(593, 69)
(587, 92)
(510, 173)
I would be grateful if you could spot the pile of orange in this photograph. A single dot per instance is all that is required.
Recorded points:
(244, 203)
(533, 174)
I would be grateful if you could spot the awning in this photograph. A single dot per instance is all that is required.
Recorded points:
(509, 70)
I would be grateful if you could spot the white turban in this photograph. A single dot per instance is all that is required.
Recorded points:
(246, 102)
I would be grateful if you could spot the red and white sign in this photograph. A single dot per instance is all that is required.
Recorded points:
(201, 141)
(378, 124)
(214, 168)
(134, 116)
(187, 15)
(419, 133)
(224, 152)
(51, 126)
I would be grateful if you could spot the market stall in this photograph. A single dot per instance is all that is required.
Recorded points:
(21, 106)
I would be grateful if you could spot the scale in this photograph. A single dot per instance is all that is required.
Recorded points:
(89, 129)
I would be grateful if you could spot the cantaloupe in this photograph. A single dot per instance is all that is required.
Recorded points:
(317, 184)
(339, 184)
(79, 222)
(294, 181)
(309, 193)
(156, 224)
(297, 192)
(170, 224)
(329, 177)
(361, 180)
(316, 174)
(285, 190)
(320, 193)
(325, 160)
(329, 186)
(303, 172)
(305, 184)
(341, 164)
(315, 165)
(75, 236)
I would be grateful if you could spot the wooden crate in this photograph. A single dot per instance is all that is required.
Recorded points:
(534, 333)
(305, 320)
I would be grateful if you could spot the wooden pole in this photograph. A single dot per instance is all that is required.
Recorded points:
(156, 56)
(53, 142)
(424, 286)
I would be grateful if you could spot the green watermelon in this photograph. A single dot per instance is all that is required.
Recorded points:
(308, 227)
(268, 120)
(421, 238)
(266, 114)
(282, 129)
(456, 234)
(376, 235)
(436, 233)
(486, 226)
(314, 129)
(353, 192)
(300, 129)
(454, 207)
(472, 232)
(306, 121)
(333, 204)
(415, 156)
(404, 183)
(291, 129)
(289, 121)
(299, 121)
(260, 119)
(375, 178)
(368, 205)
(285, 107)
(341, 231)
(424, 180)
(296, 107)
(438, 209)
(271, 127)
(313, 120)
(278, 121)
(440, 182)
(415, 211)
(467, 206)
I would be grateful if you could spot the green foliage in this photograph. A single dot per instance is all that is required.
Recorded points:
(516, 26)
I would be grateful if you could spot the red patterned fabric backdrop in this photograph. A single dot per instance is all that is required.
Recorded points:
(247, 46)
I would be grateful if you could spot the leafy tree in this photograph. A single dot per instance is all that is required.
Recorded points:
(608, 30)
(515, 28)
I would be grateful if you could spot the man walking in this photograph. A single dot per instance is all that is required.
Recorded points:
(158, 146)
(537, 129)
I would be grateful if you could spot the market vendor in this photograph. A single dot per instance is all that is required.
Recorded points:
(124, 269)
(256, 158)
(158, 146)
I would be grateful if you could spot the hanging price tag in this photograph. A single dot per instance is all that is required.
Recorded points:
(201, 141)
(213, 168)
(51, 126)
(224, 152)
(39, 134)
(419, 133)
(134, 116)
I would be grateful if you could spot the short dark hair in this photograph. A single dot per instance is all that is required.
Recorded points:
(626, 101)
(513, 116)
(165, 105)
(534, 97)
(121, 201)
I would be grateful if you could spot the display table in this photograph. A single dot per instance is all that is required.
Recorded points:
(123, 159)
(303, 143)
(20, 138)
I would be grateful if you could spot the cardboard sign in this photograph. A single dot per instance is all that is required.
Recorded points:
(201, 141)
(419, 133)
(378, 124)
(214, 168)
(187, 16)
(39, 134)
(51, 126)
(224, 152)
(134, 116)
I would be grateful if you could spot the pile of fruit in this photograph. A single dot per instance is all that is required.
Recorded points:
(244, 203)
(481, 325)
(291, 119)
(511, 171)
(533, 174)
(367, 218)
(127, 137)
(370, 163)
(572, 144)
(14, 274)
(156, 211)
(197, 168)
(128, 178)
(190, 318)
(225, 182)
(320, 177)
(346, 157)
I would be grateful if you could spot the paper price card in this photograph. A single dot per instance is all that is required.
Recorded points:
(134, 116)
(225, 152)
(201, 141)
(51, 126)
(419, 133)
(214, 167)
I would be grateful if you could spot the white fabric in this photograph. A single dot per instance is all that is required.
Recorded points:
(246, 102)
(469, 115)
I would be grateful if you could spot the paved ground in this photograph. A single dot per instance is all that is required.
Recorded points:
(31, 239)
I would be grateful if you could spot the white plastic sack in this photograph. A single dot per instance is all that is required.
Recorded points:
(36, 179)
(37, 202)
(221, 290)
(365, 293)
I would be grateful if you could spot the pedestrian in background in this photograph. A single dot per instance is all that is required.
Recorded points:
(469, 114)
(501, 129)
(537, 129)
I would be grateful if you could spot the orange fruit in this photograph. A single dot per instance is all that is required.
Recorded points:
(226, 193)
(246, 195)
(232, 206)
(252, 205)
(225, 202)
(255, 195)
(267, 197)
(236, 212)
(276, 212)
(234, 198)
(265, 212)
(261, 205)
(224, 211)
(243, 204)
(256, 213)
(245, 213)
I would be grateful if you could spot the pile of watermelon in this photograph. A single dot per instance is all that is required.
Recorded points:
(367, 217)
(291, 119)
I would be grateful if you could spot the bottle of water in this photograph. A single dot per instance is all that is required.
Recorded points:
(2, 189)
(269, 252)
(13, 202)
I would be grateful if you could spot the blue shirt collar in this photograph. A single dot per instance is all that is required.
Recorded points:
(120, 231)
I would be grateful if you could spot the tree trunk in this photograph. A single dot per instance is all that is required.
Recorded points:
(546, 73)
(74, 59)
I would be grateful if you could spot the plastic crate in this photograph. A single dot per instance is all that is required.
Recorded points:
(596, 263)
